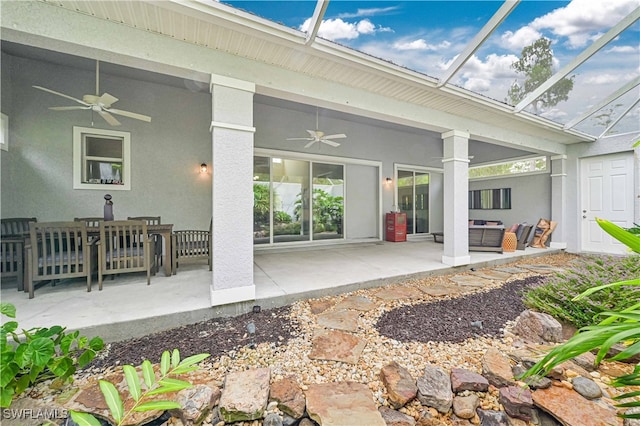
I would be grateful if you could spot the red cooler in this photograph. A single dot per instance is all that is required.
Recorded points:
(396, 226)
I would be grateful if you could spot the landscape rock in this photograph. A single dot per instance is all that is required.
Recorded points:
(329, 404)
(632, 422)
(534, 382)
(462, 379)
(517, 402)
(538, 327)
(336, 345)
(496, 368)
(570, 408)
(586, 360)
(465, 406)
(340, 320)
(586, 387)
(434, 388)
(401, 387)
(196, 402)
(493, 418)
(396, 418)
(245, 395)
(359, 303)
(272, 419)
(289, 396)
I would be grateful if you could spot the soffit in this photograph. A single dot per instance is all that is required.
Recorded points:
(220, 27)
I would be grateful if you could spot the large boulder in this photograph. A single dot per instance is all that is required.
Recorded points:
(538, 327)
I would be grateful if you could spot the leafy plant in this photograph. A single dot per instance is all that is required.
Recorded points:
(617, 327)
(281, 217)
(327, 209)
(39, 354)
(170, 365)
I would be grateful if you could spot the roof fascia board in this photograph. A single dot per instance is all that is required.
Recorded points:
(582, 57)
(493, 23)
(612, 97)
(316, 20)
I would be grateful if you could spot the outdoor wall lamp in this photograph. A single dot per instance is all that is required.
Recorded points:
(203, 168)
(388, 180)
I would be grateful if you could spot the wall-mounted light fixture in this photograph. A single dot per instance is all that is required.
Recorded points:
(203, 168)
(388, 180)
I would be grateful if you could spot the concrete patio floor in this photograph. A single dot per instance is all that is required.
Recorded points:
(126, 307)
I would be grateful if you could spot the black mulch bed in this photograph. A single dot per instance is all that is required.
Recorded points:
(440, 321)
(451, 320)
(217, 337)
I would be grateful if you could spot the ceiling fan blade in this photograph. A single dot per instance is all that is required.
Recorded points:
(301, 139)
(129, 114)
(313, 133)
(69, 108)
(336, 136)
(332, 143)
(310, 143)
(107, 100)
(109, 118)
(61, 94)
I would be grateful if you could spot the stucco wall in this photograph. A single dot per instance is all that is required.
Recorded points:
(166, 153)
(530, 198)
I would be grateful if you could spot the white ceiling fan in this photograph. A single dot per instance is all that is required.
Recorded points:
(97, 103)
(319, 136)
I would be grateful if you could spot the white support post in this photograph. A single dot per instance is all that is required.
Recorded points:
(456, 198)
(558, 203)
(232, 237)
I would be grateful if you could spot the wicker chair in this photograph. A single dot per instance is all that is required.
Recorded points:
(124, 247)
(192, 244)
(57, 250)
(157, 239)
(12, 258)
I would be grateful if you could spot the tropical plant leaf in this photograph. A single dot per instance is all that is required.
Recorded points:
(84, 419)
(175, 358)
(194, 359)
(6, 395)
(133, 381)
(592, 290)
(86, 357)
(183, 370)
(8, 309)
(157, 405)
(96, 344)
(112, 397)
(622, 235)
(9, 326)
(41, 350)
(165, 363)
(148, 374)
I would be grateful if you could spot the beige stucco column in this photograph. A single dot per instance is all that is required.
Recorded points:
(232, 238)
(456, 198)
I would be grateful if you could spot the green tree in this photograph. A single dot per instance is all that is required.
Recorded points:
(536, 63)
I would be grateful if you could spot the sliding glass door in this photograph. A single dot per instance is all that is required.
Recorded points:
(413, 199)
(297, 200)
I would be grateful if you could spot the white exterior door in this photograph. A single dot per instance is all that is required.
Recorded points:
(607, 193)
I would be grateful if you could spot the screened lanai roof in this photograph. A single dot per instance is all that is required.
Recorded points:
(473, 45)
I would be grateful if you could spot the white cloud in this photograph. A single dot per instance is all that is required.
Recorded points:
(420, 44)
(369, 12)
(622, 49)
(608, 78)
(338, 29)
(521, 38)
(581, 20)
(491, 76)
(554, 114)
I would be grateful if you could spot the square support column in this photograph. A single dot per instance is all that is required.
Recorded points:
(558, 200)
(232, 190)
(456, 198)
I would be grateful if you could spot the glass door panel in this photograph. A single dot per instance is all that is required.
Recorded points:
(413, 199)
(261, 200)
(328, 200)
(405, 196)
(291, 200)
(422, 202)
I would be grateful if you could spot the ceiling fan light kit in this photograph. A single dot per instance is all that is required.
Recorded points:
(318, 136)
(100, 104)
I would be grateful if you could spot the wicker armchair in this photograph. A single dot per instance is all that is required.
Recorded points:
(124, 246)
(192, 244)
(58, 250)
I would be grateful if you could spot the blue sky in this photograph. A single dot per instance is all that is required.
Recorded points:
(426, 36)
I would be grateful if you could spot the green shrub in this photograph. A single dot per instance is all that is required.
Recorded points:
(281, 217)
(39, 354)
(556, 296)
